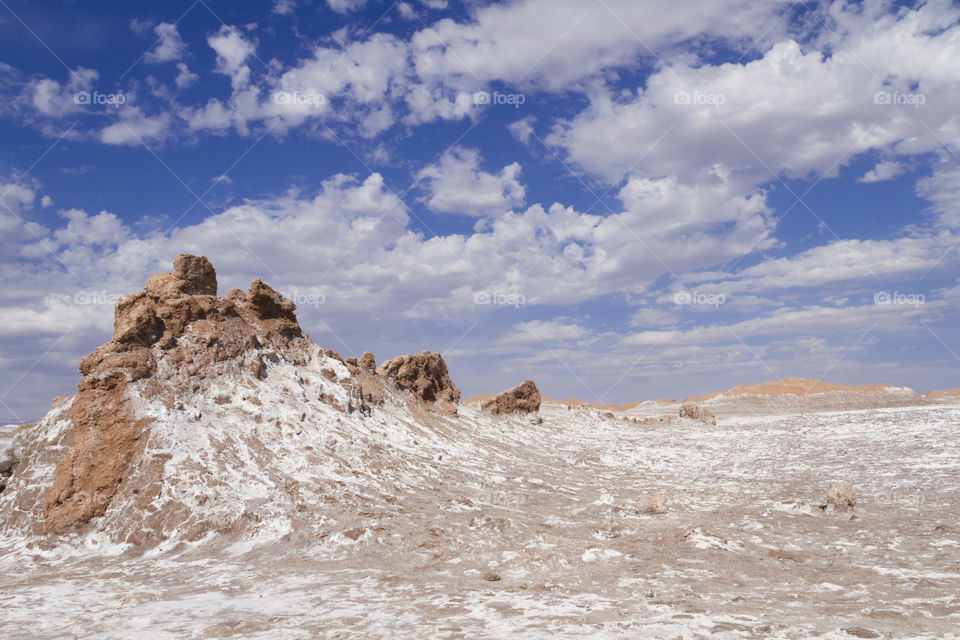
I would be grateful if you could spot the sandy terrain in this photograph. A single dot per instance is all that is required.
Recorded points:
(513, 529)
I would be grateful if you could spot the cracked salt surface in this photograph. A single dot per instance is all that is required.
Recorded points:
(396, 542)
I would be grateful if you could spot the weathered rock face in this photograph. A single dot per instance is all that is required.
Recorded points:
(692, 411)
(177, 319)
(424, 373)
(197, 273)
(523, 398)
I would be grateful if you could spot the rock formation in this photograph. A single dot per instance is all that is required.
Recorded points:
(194, 392)
(178, 320)
(841, 496)
(424, 373)
(523, 398)
(693, 412)
(366, 362)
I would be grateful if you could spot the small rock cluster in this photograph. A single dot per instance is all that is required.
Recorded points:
(424, 373)
(694, 412)
(523, 398)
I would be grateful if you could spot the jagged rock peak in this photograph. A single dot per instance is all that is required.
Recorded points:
(367, 362)
(424, 373)
(523, 398)
(177, 334)
(192, 276)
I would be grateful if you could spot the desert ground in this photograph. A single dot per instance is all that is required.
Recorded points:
(580, 526)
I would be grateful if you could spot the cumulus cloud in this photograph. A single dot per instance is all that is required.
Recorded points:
(794, 111)
(185, 78)
(538, 332)
(232, 50)
(54, 100)
(498, 43)
(284, 7)
(943, 190)
(136, 128)
(169, 46)
(522, 129)
(457, 184)
(841, 261)
(346, 6)
(884, 170)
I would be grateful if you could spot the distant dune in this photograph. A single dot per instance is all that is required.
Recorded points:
(789, 395)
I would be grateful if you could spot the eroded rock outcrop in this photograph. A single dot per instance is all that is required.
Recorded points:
(367, 362)
(694, 412)
(176, 319)
(425, 374)
(523, 398)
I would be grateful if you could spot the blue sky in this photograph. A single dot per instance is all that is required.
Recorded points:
(620, 200)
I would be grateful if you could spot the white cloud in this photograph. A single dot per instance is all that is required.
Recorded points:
(841, 261)
(54, 100)
(170, 46)
(555, 43)
(884, 170)
(457, 184)
(791, 112)
(788, 321)
(406, 11)
(232, 51)
(943, 190)
(284, 7)
(135, 128)
(346, 6)
(539, 332)
(185, 77)
(522, 129)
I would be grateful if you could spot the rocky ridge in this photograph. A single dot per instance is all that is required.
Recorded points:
(188, 388)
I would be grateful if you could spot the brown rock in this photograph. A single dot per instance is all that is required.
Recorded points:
(197, 273)
(842, 496)
(523, 398)
(89, 475)
(274, 310)
(424, 373)
(161, 286)
(147, 327)
(366, 362)
(694, 412)
(135, 320)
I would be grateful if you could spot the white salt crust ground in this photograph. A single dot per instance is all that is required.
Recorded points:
(393, 527)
